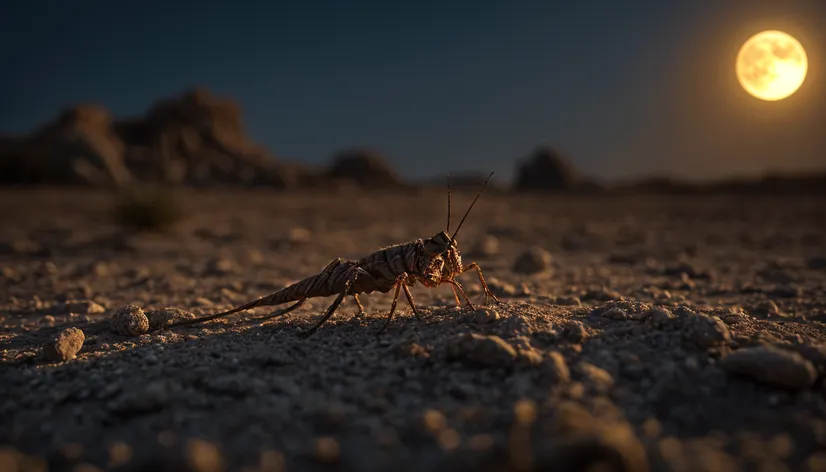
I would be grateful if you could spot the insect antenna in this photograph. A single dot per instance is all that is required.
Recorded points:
(471, 205)
(448, 203)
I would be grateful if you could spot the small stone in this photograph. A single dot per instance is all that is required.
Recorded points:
(433, 420)
(558, 367)
(299, 236)
(484, 316)
(568, 301)
(327, 449)
(449, 439)
(83, 307)
(65, 346)
(161, 317)
(483, 350)
(533, 261)
(120, 453)
(488, 246)
(411, 349)
(203, 301)
(766, 308)
(658, 317)
(575, 331)
(530, 356)
(815, 353)
(220, 266)
(615, 313)
(771, 365)
(706, 332)
(602, 295)
(597, 377)
(203, 456)
(524, 411)
(130, 321)
(504, 289)
(733, 316)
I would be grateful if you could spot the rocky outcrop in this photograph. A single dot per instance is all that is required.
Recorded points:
(79, 146)
(545, 170)
(364, 167)
(193, 139)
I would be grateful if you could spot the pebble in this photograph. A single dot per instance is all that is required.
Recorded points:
(65, 346)
(558, 367)
(486, 350)
(533, 261)
(83, 307)
(597, 377)
(487, 246)
(766, 308)
(327, 449)
(615, 313)
(203, 456)
(484, 316)
(575, 331)
(568, 301)
(220, 266)
(771, 365)
(658, 316)
(706, 332)
(433, 420)
(130, 321)
(299, 236)
(161, 317)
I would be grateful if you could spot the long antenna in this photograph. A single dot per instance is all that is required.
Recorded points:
(471, 205)
(448, 203)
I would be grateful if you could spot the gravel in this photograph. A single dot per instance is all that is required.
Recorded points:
(655, 360)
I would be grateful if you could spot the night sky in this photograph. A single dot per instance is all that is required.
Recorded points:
(623, 88)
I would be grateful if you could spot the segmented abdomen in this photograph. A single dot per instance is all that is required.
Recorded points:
(388, 263)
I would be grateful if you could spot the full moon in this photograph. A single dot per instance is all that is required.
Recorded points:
(771, 65)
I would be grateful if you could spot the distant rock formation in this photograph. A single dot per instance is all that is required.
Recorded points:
(192, 139)
(365, 167)
(79, 146)
(545, 170)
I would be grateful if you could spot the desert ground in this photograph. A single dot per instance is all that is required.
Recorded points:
(635, 333)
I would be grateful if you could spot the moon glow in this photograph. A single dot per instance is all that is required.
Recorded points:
(771, 65)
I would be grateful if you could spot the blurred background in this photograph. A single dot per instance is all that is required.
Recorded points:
(549, 95)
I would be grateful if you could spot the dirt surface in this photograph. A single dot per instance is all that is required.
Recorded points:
(657, 334)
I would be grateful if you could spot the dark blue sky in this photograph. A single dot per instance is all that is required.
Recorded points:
(621, 87)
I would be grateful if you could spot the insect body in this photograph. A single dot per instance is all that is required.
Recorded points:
(430, 262)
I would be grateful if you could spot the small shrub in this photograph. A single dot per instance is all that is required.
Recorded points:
(148, 209)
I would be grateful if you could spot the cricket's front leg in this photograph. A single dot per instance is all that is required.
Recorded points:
(485, 289)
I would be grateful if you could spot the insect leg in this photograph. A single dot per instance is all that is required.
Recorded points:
(485, 288)
(456, 284)
(399, 283)
(410, 301)
(282, 312)
(333, 306)
(456, 296)
(358, 302)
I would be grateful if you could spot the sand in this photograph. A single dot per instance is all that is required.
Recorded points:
(655, 333)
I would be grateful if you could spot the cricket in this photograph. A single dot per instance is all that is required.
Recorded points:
(431, 262)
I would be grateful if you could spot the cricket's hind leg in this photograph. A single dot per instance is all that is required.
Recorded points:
(281, 312)
(349, 289)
